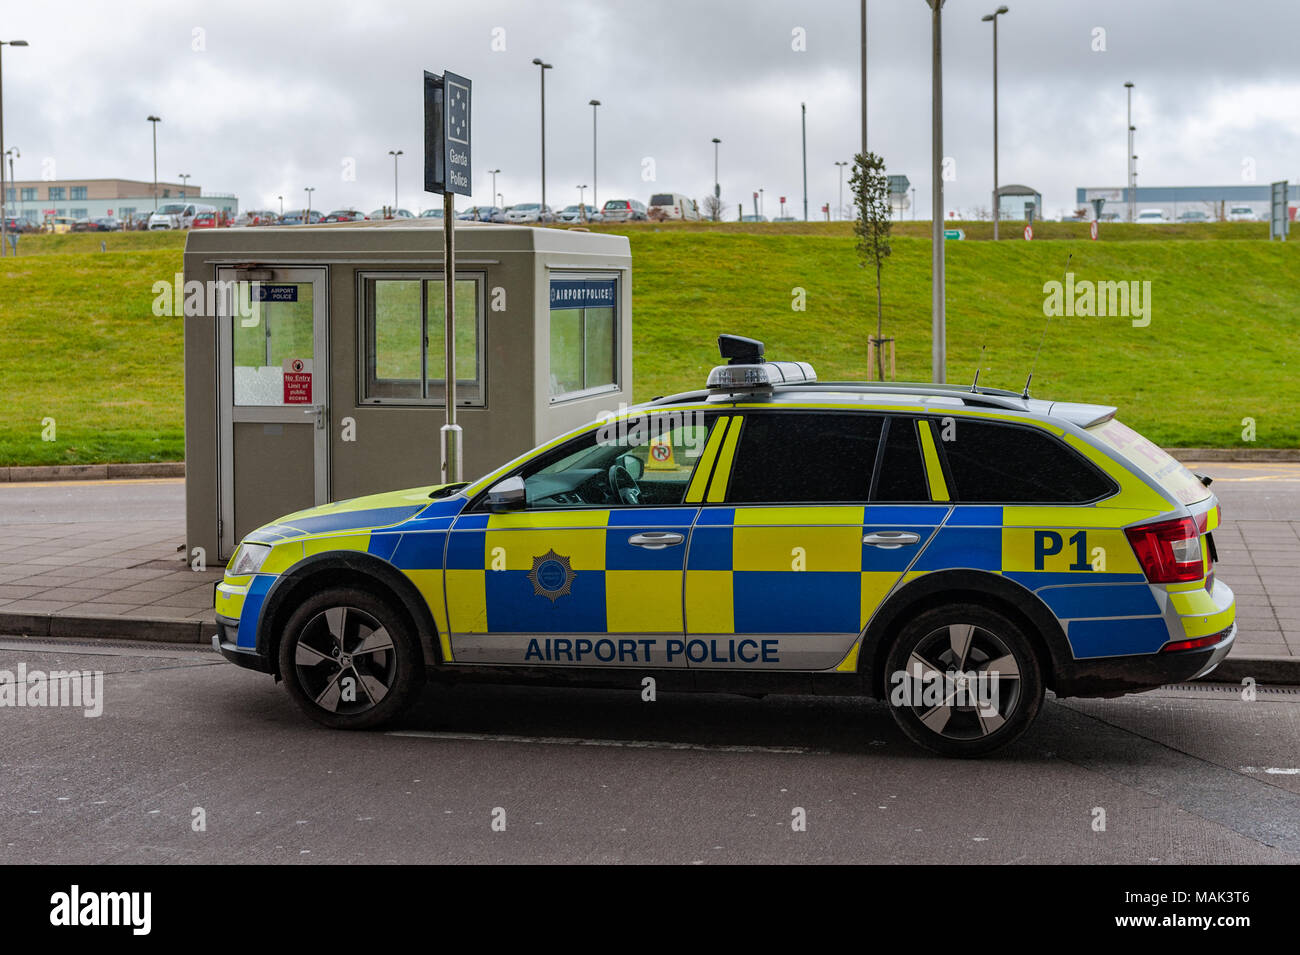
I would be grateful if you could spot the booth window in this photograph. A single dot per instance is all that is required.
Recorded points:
(583, 336)
(279, 334)
(404, 359)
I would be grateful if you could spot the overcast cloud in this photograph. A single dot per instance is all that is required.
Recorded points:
(283, 94)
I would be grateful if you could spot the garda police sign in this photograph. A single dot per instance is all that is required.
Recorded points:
(446, 134)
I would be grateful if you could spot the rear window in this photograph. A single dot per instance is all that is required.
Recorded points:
(997, 463)
(804, 458)
(902, 474)
(1158, 465)
(616, 204)
(663, 199)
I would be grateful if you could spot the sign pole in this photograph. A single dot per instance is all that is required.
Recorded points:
(451, 433)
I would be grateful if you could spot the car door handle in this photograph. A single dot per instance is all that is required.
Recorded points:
(656, 540)
(891, 540)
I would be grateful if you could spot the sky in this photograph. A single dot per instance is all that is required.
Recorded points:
(262, 99)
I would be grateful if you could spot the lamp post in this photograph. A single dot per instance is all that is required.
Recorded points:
(993, 18)
(281, 198)
(717, 189)
(938, 326)
(863, 58)
(4, 193)
(184, 177)
(1132, 199)
(394, 153)
(803, 121)
(12, 152)
(841, 163)
(155, 120)
(593, 104)
(306, 218)
(493, 174)
(542, 68)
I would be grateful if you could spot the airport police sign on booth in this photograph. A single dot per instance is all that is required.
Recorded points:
(447, 170)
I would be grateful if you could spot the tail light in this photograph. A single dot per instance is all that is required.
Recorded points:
(1196, 643)
(1169, 551)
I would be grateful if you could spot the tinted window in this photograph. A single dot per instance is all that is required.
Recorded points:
(794, 457)
(902, 473)
(1003, 463)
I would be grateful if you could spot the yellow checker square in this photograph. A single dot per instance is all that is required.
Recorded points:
(1065, 550)
(709, 607)
(643, 601)
(429, 584)
(797, 548)
(467, 601)
(516, 549)
(334, 542)
(876, 584)
(230, 600)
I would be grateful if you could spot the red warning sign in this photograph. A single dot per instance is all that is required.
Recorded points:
(297, 383)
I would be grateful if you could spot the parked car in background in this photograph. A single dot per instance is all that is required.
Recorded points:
(1152, 216)
(579, 213)
(624, 210)
(345, 215)
(1193, 216)
(431, 214)
(105, 224)
(1242, 214)
(82, 225)
(206, 220)
(785, 219)
(13, 224)
(254, 217)
(300, 217)
(177, 215)
(138, 221)
(390, 214)
(673, 205)
(482, 214)
(751, 217)
(58, 224)
(526, 212)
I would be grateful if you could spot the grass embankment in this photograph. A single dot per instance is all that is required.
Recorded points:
(79, 342)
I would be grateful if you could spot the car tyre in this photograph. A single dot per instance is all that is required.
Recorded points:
(350, 660)
(958, 648)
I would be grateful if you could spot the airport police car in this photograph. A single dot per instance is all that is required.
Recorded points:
(952, 550)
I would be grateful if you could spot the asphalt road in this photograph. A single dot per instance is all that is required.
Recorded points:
(1182, 776)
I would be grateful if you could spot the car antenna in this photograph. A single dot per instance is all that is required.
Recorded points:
(1034, 364)
(974, 384)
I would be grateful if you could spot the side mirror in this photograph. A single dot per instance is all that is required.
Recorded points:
(633, 465)
(507, 495)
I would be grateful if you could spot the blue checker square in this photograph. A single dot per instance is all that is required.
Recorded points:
(514, 606)
(796, 601)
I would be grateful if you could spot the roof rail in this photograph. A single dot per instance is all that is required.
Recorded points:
(993, 397)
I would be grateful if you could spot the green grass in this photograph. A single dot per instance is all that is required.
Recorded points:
(79, 342)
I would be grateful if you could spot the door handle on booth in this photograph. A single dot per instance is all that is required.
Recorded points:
(319, 412)
(890, 540)
(655, 540)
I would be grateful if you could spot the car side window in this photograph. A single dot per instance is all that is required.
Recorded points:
(645, 462)
(901, 478)
(991, 462)
(796, 457)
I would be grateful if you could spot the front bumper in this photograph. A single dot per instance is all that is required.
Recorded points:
(223, 641)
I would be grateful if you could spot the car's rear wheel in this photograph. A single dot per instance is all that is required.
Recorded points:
(350, 660)
(963, 680)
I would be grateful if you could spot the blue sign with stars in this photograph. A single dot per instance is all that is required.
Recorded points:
(447, 134)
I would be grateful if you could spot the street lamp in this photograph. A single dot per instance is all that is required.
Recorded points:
(542, 68)
(1132, 199)
(493, 174)
(394, 154)
(306, 219)
(593, 104)
(281, 198)
(155, 120)
(993, 18)
(803, 125)
(12, 152)
(841, 163)
(184, 178)
(938, 326)
(4, 194)
(717, 189)
(761, 207)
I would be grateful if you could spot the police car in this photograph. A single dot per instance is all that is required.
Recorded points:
(953, 550)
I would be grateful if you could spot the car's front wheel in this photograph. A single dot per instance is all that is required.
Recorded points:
(349, 660)
(963, 680)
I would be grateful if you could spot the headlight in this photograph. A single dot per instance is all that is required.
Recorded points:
(248, 560)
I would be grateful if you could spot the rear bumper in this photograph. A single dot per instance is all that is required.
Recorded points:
(1115, 676)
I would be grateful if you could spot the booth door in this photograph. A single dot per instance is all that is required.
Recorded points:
(273, 354)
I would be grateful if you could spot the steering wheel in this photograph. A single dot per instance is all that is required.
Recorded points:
(624, 485)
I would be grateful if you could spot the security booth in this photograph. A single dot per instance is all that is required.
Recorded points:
(314, 358)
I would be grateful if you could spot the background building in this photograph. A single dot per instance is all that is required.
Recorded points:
(1215, 201)
(1013, 202)
(34, 199)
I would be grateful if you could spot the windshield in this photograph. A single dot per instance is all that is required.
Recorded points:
(1158, 464)
(172, 209)
(527, 206)
(1238, 210)
(616, 204)
(662, 199)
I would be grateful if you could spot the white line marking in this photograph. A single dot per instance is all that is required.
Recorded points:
(1271, 771)
(615, 743)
